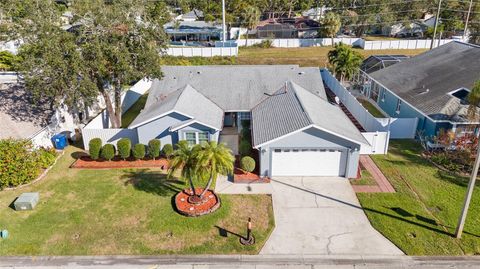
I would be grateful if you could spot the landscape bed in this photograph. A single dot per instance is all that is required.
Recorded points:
(125, 212)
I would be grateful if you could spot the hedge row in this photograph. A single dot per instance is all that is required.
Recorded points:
(125, 150)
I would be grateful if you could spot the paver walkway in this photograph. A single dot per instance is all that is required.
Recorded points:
(383, 185)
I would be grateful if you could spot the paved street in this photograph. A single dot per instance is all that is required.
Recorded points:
(242, 262)
(320, 215)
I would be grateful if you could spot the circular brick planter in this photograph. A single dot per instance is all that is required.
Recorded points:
(207, 205)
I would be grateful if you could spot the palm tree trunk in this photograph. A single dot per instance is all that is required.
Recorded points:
(209, 183)
(192, 187)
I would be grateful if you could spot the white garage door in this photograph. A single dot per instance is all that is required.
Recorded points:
(308, 162)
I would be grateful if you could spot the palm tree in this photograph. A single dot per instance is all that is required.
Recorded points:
(330, 25)
(184, 160)
(250, 17)
(474, 101)
(344, 61)
(214, 159)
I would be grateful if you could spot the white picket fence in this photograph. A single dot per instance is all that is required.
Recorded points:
(402, 44)
(398, 127)
(99, 126)
(202, 51)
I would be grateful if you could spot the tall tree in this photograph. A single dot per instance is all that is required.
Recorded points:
(110, 44)
(249, 18)
(184, 160)
(330, 25)
(474, 102)
(344, 61)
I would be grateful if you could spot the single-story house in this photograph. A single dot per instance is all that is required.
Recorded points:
(432, 87)
(294, 128)
(192, 31)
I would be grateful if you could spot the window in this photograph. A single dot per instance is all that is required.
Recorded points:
(190, 137)
(399, 105)
(202, 137)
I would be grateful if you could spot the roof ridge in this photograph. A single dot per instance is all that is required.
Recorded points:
(193, 88)
(293, 87)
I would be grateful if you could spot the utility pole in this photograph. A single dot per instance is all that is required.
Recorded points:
(224, 28)
(468, 197)
(466, 21)
(437, 18)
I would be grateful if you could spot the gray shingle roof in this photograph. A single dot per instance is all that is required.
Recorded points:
(186, 101)
(292, 108)
(236, 87)
(441, 70)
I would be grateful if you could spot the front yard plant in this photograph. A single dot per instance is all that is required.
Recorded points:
(94, 147)
(154, 148)
(124, 147)
(108, 152)
(247, 164)
(20, 162)
(139, 151)
(167, 150)
(244, 148)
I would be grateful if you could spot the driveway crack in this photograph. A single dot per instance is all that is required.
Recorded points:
(315, 195)
(330, 240)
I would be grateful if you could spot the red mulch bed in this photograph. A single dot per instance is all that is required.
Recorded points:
(87, 162)
(210, 203)
(241, 176)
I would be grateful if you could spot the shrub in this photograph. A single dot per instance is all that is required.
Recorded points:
(167, 150)
(19, 162)
(124, 147)
(245, 124)
(94, 147)
(246, 134)
(108, 152)
(139, 151)
(244, 148)
(154, 148)
(46, 157)
(247, 164)
(265, 44)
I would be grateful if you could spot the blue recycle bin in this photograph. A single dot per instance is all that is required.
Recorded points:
(59, 141)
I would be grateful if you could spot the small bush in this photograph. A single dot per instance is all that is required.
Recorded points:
(247, 164)
(154, 146)
(167, 150)
(265, 44)
(124, 147)
(18, 162)
(94, 147)
(108, 152)
(46, 157)
(139, 151)
(246, 134)
(245, 124)
(244, 148)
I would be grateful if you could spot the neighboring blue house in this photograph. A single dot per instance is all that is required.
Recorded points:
(432, 87)
(294, 129)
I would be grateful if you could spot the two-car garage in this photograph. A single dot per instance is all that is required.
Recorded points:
(308, 162)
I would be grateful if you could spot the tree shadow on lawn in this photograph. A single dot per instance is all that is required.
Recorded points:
(154, 182)
(366, 209)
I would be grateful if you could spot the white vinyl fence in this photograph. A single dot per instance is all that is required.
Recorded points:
(99, 126)
(300, 42)
(402, 44)
(378, 143)
(202, 51)
(398, 127)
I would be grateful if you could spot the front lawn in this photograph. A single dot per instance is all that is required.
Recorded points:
(422, 215)
(124, 211)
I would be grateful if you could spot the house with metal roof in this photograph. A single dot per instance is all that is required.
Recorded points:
(295, 130)
(432, 87)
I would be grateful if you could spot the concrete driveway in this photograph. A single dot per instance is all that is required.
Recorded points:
(319, 215)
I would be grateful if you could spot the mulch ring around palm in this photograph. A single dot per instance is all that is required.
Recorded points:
(208, 204)
(86, 162)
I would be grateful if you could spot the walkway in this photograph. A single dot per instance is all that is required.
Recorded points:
(321, 215)
(383, 185)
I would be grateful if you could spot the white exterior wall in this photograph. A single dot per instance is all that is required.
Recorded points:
(202, 51)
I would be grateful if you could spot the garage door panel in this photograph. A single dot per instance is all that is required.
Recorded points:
(308, 162)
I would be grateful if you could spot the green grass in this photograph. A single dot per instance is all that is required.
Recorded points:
(124, 211)
(422, 215)
(311, 56)
(371, 108)
(134, 110)
(366, 179)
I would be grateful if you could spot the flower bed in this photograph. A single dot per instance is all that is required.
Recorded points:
(209, 204)
(241, 176)
(117, 162)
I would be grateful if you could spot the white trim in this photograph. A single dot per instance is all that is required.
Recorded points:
(305, 128)
(190, 122)
(169, 112)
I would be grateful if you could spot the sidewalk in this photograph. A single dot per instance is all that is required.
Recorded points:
(223, 185)
(383, 185)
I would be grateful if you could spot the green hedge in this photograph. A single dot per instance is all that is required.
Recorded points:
(108, 152)
(139, 151)
(167, 150)
(124, 147)
(154, 148)
(244, 148)
(94, 147)
(20, 163)
(247, 164)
